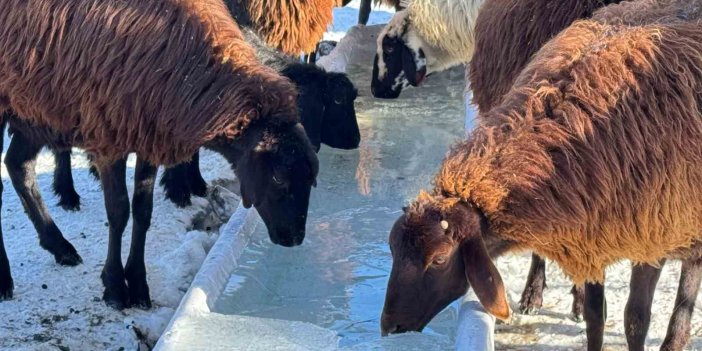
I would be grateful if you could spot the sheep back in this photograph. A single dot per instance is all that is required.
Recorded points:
(447, 25)
(594, 155)
(159, 78)
(509, 32)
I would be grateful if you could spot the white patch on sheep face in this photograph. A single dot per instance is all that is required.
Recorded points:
(415, 43)
(394, 28)
(400, 81)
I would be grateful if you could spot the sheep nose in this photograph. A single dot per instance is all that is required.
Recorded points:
(388, 326)
(391, 330)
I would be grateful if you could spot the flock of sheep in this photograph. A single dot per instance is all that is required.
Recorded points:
(587, 150)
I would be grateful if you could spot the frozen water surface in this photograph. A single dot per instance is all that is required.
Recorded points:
(337, 278)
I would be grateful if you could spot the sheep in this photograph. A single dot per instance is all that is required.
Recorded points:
(507, 34)
(326, 104)
(591, 158)
(327, 113)
(429, 36)
(171, 77)
(504, 35)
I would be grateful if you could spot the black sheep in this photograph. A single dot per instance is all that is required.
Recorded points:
(326, 104)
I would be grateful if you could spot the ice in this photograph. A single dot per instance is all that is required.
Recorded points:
(244, 333)
(337, 278)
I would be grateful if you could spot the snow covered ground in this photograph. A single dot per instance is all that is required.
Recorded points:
(58, 307)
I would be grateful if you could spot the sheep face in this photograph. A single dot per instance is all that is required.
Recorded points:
(339, 125)
(399, 60)
(438, 253)
(326, 103)
(276, 178)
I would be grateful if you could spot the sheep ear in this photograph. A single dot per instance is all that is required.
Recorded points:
(414, 67)
(484, 278)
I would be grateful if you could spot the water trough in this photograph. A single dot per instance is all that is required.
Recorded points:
(250, 295)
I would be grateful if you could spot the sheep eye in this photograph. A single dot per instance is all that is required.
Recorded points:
(389, 49)
(338, 101)
(277, 181)
(439, 260)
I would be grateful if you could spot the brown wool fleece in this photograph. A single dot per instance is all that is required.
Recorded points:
(509, 32)
(159, 78)
(291, 26)
(595, 154)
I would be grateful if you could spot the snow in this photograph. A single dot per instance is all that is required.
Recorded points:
(346, 17)
(69, 313)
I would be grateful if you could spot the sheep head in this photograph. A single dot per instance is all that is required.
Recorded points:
(339, 125)
(326, 104)
(438, 253)
(276, 176)
(400, 60)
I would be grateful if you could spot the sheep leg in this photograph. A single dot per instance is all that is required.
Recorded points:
(93, 169)
(198, 185)
(678, 333)
(114, 188)
(576, 312)
(142, 207)
(6, 283)
(595, 315)
(364, 12)
(63, 186)
(182, 180)
(533, 294)
(637, 313)
(20, 161)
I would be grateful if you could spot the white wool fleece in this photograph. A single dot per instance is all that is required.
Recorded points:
(444, 30)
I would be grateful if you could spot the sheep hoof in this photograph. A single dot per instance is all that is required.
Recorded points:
(70, 202)
(94, 172)
(179, 198)
(531, 302)
(6, 289)
(139, 296)
(67, 256)
(576, 313)
(116, 296)
(577, 318)
(529, 310)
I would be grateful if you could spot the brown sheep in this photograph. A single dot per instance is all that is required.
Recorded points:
(506, 34)
(159, 79)
(591, 158)
(503, 28)
(637, 314)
